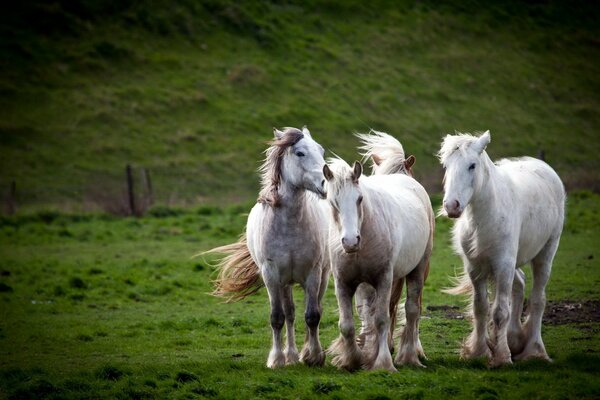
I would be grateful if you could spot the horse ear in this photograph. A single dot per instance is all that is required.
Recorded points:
(306, 131)
(482, 142)
(376, 159)
(356, 171)
(409, 162)
(277, 133)
(327, 172)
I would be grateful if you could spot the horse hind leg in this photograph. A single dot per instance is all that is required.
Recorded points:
(516, 337)
(365, 296)
(541, 267)
(382, 358)
(290, 352)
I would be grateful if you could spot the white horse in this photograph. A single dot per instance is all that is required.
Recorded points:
(509, 213)
(382, 232)
(285, 243)
(387, 157)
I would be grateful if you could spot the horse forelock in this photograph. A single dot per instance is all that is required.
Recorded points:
(452, 143)
(342, 175)
(270, 170)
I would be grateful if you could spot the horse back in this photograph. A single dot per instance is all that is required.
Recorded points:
(539, 198)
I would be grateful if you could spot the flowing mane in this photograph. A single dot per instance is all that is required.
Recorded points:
(270, 170)
(451, 143)
(385, 152)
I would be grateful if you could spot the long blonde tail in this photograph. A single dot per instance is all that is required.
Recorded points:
(239, 276)
(462, 285)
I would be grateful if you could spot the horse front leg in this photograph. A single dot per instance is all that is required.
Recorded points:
(410, 344)
(312, 353)
(345, 351)
(476, 344)
(382, 359)
(276, 357)
(289, 310)
(503, 278)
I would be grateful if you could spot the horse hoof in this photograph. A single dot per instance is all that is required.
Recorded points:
(276, 360)
(291, 357)
(498, 362)
(316, 359)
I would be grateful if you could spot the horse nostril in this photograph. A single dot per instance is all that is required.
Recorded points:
(457, 206)
(357, 240)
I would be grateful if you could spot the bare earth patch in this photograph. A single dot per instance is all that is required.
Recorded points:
(556, 313)
(568, 312)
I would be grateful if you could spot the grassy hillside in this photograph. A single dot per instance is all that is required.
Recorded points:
(191, 91)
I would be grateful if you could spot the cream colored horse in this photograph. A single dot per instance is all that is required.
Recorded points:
(509, 213)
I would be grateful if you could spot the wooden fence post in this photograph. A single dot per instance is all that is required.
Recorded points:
(130, 193)
(148, 194)
(542, 155)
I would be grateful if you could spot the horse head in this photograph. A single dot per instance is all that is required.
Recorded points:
(345, 197)
(461, 156)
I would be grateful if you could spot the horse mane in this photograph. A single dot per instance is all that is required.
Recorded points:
(382, 147)
(452, 143)
(270, 170)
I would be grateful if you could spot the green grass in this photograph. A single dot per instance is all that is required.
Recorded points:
(98, 307)
(192, 90)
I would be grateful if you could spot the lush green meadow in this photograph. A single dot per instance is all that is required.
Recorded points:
(98, 307)
(95, 306)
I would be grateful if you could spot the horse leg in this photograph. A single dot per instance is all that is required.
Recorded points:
(365, 295)
(503, 277)
(312, 353)
(476, 344)
(276, 356)
(289, 310)
(541, 267)
(516, 338)
(382, 357)
(345, 351)
(410, 345)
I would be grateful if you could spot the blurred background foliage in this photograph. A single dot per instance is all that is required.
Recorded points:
(190, 90)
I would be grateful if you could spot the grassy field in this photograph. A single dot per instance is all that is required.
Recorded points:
(191, 90)
(98, 307)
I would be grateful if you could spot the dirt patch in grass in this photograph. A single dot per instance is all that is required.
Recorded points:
(557, 312)
(568, 312)
(450, 312)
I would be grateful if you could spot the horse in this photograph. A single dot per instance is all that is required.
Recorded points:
(285, 243)
(382, 231)
(387, 157)
(508, 214)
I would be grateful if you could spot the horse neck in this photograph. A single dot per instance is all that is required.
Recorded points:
(291, 199)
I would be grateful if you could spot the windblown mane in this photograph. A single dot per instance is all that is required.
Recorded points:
(385, 152)
(451, 143)
(270, 170)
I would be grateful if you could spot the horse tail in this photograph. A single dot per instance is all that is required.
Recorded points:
(385, 151)
(462, 285)
(239, 276)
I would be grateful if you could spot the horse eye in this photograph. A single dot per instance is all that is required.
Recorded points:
(471, 167)
(300, 154)
(360, 199)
